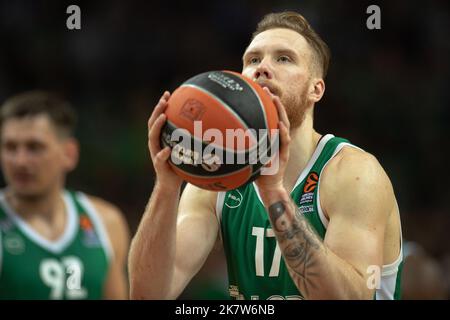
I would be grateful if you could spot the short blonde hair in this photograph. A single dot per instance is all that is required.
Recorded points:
(296, 22)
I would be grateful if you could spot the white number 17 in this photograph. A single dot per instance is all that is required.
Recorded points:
(259, 253)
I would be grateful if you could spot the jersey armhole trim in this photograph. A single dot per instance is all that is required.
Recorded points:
(99, 225)
(322, 142)
(392, 268)
(339, 147)
(219, 205)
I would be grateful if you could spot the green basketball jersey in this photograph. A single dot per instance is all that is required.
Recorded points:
(256, 268)
(73, 267)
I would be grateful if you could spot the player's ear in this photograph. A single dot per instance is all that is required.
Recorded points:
(317, 89)
(71, 153)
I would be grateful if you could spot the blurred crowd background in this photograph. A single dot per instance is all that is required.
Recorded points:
(387, 91)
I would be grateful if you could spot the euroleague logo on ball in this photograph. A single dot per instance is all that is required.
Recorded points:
(193, 110)
(223, 131)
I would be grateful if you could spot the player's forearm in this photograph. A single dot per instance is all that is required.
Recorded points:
(317, 272)
(152, 252)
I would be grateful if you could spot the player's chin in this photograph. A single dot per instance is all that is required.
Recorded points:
(26, 189)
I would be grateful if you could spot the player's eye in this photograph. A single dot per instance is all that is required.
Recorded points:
(284, 59)
(253, 60)
(9, 146)
(35, 147)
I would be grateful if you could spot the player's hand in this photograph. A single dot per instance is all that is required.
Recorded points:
(164, 173)
(274, 182)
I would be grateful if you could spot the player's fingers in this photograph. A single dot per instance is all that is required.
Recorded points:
(285, 139)
(268, 92)
(166, 95)
(163, 155)
(160, 161)
(154, 134)
(284, 133)
(281, 111)
(159, 108)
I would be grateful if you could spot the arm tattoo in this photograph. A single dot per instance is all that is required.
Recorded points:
(299, 243)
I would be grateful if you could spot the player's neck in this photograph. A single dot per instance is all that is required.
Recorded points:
(47, 206)
(304, 141)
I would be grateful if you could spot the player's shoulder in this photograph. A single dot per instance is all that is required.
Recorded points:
(354, 179)
(351, 161)
(109, 212)
(355, 170)
(195, 198)
(114, 222)
(193, 192)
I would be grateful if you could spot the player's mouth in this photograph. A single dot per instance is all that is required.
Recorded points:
(22, 177)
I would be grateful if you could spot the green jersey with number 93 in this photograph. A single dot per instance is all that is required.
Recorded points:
(72, 267)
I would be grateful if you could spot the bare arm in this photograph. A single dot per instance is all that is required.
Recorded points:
(170, 247)
(152, 251)
(197, 232)
(174, 237)
(116, 286)
(359, 199)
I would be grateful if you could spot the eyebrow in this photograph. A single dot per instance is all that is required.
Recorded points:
(281, 51)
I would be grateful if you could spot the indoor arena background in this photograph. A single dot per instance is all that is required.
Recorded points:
(387, 91)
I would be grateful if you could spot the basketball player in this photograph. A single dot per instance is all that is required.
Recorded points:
(326, 226)
(422, 276)
(54, 243)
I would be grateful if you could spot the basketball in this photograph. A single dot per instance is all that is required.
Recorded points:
(221, 127)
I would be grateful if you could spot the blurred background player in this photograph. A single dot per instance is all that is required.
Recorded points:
(54, 243)
(423, 276)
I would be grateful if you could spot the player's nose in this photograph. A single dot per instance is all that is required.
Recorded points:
(21, 157)
(263, 70)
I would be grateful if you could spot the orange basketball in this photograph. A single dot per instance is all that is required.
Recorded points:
(221, 127)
